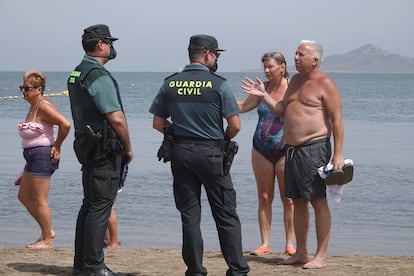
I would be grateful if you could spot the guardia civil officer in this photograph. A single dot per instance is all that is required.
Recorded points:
(101, 142)
(197, 100)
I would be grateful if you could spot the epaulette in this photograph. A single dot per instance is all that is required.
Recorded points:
(223, 78)
(95, 70)
(171, 75)
(95, 73)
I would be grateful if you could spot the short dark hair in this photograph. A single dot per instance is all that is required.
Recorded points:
(89, 45)
(195, 54)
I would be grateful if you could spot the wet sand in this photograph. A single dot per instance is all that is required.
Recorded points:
(22, 261)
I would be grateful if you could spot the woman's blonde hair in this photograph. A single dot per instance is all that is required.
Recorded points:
(279, 58)
(35, 78)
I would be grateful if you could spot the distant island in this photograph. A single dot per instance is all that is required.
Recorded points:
(365, 59)
(368, 59)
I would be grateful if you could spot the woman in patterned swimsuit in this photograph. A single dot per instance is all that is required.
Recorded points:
(268, 153)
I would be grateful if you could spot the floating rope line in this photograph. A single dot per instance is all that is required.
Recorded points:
(64, 93)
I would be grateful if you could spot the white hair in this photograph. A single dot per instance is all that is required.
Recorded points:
(316, 47)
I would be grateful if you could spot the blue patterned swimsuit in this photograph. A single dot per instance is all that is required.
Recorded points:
(268, 138)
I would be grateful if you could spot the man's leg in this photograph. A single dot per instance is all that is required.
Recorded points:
(80, 224)
(222, 199)
(223, 207)
(103, 186)
(323, 229)
(301, 222)
(187, 192)
(192, 249)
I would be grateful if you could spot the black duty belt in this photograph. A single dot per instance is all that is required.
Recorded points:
(197, 141)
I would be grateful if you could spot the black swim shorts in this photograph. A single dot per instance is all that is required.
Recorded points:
(301, 170)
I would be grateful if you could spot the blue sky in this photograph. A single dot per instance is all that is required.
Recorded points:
(153, 35)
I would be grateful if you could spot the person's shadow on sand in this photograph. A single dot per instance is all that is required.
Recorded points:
(41, 268)
(47, 269)
(268, 260)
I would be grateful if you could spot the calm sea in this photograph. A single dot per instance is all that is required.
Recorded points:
(375, 215)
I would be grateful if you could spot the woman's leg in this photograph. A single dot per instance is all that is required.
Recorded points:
(112, 230)
(33, 193)
(265, 177)
(288, 208)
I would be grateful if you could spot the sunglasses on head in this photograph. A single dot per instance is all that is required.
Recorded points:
(26, 88)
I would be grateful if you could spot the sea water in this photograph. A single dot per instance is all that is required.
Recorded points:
(375, 215)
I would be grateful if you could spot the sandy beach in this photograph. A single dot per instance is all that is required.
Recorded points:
(22, 261)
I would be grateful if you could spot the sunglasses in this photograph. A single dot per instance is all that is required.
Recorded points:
(107, 41)
(217, 54)
(26, 88)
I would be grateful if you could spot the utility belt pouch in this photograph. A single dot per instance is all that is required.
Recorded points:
(110, 141)
(87, 146)
(166, 148)
(230, 149)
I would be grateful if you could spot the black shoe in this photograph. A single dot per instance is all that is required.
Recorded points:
(100, 272)
(340, 176)
(334, 177)
(348, 173)
(76, 272)
(105, 272)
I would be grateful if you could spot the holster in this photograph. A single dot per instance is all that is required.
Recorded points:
(166, 148)
(95, 145)
(85, 149)
(230, 149)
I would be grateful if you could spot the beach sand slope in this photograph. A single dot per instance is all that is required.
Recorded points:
(22, 261)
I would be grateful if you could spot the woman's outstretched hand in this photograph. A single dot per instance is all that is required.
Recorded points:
(253, 88)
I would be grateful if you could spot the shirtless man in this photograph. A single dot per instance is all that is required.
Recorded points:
(312, 111)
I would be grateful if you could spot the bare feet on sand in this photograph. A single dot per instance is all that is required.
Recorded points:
(43, 244)
(295, 259)
(110, 246)
(53, 234)
(316, 263)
